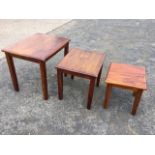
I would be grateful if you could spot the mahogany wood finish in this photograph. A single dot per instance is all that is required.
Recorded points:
(99, 77)
(12, 71)
(44, 80)
(65, 52)
(127, 77)
(60, 83)
(82, 64)
(91, 92)
(107, 94)
(136, 101)
(37, 48)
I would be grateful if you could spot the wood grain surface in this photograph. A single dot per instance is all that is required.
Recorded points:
(38, 46)
(84, 62)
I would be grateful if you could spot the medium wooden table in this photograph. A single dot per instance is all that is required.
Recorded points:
(127, 77)
(37, 48)
(82, 64)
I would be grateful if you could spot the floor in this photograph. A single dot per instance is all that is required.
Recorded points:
(123, 41)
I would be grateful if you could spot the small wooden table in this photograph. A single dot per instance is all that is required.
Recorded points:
(82, 64)
(128, 77)
(38, 48)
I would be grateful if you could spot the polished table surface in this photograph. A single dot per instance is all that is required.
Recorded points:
(38, 46)
(127, 75)
(84, 62)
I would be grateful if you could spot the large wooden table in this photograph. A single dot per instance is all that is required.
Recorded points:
(82, 64)
(127, 77)
(37, 48)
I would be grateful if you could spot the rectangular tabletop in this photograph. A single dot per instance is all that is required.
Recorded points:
(38, 47)
(127, 75)
(84, 62)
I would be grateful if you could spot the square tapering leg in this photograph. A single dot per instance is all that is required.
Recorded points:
(66, 50)
(107, 96)
(72, 77)
(138, 95)
(12, 71)
(99, 77)
(90, 93)
(44, 80)
(60, 84)
(134, 93)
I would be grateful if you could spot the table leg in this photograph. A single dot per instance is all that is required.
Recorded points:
(136, 101)
(44, 80)
(66, 52)
(72, 77)
(134, 92)
(60, 84)
(107, 96)
(99, 77)
(91, 92)
(12, 71)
